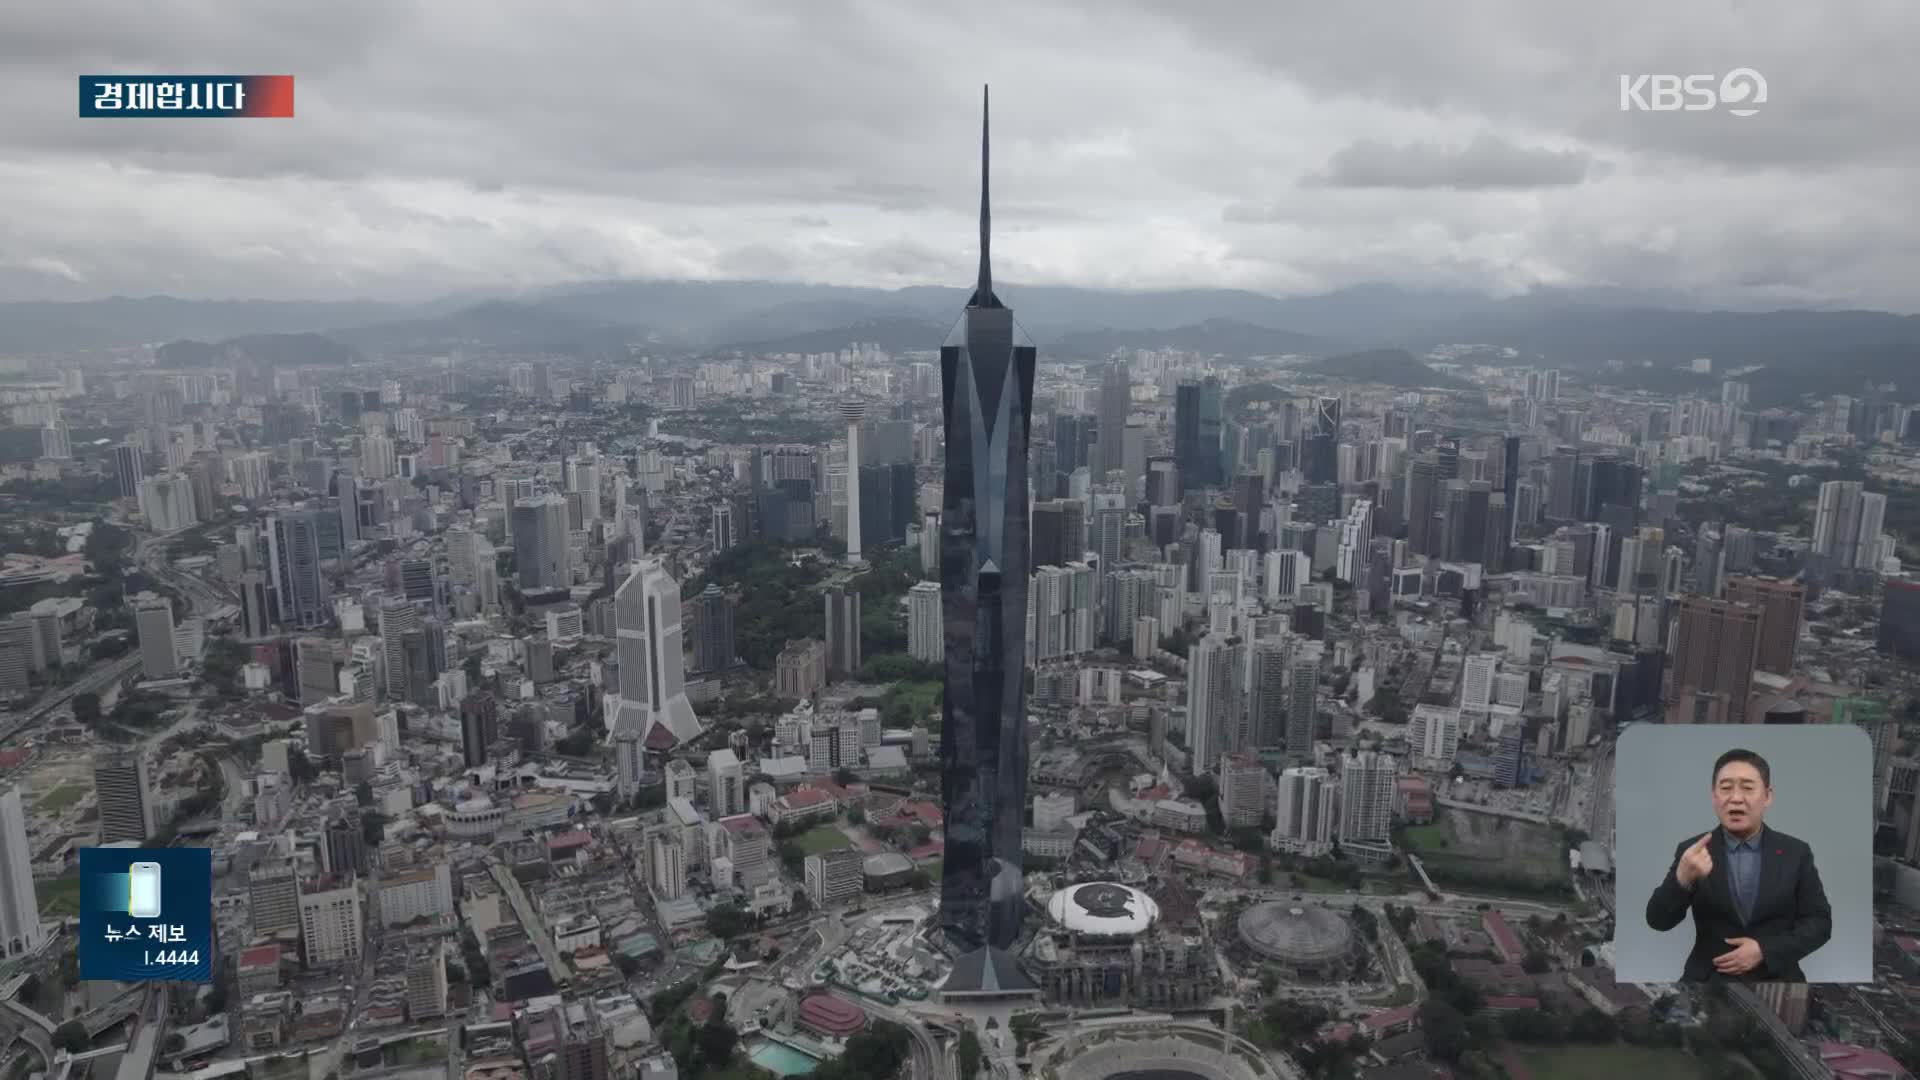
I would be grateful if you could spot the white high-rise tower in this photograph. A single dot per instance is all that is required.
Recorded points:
(852, 411)
(646, 611)
(20, 929)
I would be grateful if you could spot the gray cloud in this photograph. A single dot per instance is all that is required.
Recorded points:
(445, 147)
(1487, 162)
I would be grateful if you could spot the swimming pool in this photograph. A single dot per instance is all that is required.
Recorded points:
(782, 1060)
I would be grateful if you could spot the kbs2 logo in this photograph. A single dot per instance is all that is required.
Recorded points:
(1741, 92)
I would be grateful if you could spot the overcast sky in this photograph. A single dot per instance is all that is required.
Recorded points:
(1284, 147)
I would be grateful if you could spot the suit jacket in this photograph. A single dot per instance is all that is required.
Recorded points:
(1790, 917)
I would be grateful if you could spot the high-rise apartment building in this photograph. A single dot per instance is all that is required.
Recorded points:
(987, 371)
(1304, 814)
(1243, 789)
(1712, 657)
(1366, 797)
(1846, 525)
(1782, 604)
(1216, 675)
(1303, 699)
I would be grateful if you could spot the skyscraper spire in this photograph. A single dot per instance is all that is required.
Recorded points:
(983, 290)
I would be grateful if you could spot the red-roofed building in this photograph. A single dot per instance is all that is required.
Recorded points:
(259, 970)
(1413, 800)
(1391, 1021)
(834, 1017)
(1505, 941)
(1155, 793)
(804, 804)
(561, 844)
(1909, 951)
(743, 823)
(1512, 1004)
(932, 849)
(12, 758)
(659, 739)
(1149, 848)
(1860, 1063)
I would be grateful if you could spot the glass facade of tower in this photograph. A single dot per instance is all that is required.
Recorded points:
(987, 369)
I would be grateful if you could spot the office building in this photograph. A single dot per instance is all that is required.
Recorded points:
(301, 598)
(726, 784)
(987, 371)
(800, 670)
(153, 618)
(852, 410)
(331, 927)
(542, 556)
(842, 607)
(273, 899)
(834, 876)
(21, 931)
(652, 690)
(926, 634)
(1782, 604)
(124, 794)
(712, 630)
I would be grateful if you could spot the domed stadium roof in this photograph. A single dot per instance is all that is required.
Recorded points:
(1102, 907)
(1295, 934)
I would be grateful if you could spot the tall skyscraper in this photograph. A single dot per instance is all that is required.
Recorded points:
(124, 795)
(293, 559)
(712, 630)
(652, 695)
(1116, 399)
(852, 410)
(1216, 708)
(20, 927)
(925, 641)
(129, 468)
(541, 555)
(842, 611)
(987, 369)
(1304, 811)
(1782, 604)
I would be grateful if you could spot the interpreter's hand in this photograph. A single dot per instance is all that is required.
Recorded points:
(1744, 958)
(1695, 864)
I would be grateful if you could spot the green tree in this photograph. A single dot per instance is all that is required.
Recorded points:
(72, 1037)
(86, 708)
(728, 921)
(968, 1053)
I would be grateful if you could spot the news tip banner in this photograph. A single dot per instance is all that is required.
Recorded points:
(148, 97)
(146, 914)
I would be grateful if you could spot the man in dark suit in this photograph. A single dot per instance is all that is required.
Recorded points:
(1758, 907)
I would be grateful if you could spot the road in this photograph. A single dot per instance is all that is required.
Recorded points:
(928, 1062)
(150, 553)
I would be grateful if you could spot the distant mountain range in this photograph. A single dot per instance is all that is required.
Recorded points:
(1573, 329)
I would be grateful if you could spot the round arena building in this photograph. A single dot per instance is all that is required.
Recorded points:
(1103, 908)
(1304, 941)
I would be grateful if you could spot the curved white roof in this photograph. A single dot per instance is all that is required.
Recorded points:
(1103, 907)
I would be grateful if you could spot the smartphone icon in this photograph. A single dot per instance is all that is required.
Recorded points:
(143, 890)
